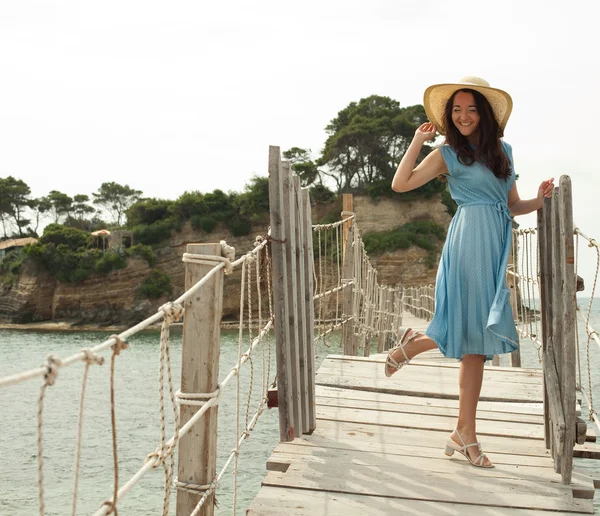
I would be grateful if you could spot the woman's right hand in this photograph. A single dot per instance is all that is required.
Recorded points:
(426, 132)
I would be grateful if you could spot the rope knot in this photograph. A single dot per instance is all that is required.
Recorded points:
(92, 358)
(119, 344)
(228, 252)
(172, 311)
(158, 456)
(592, 243)
(52, 364)
(258, 240)
(198, 399)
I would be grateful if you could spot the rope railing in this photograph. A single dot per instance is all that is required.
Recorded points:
(259, 259)
(419, 301)
(591, 333)
(522, 277)
(347, 293)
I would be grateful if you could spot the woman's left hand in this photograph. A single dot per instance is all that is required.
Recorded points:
(545, 189)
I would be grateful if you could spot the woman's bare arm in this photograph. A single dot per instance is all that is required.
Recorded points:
(520, 206)
(408, 177)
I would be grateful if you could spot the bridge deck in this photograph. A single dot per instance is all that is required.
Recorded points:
(378, 447)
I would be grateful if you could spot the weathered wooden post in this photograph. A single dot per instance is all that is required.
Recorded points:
(568, 337)
(280, 296)
(348, 208)
(309, 316)
(348, 337)
(301, 305)
(200, 352)
(545, 259)
(557, 330)
(289, 208)
(382, 319)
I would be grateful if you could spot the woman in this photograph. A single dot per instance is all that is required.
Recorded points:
(473, 319)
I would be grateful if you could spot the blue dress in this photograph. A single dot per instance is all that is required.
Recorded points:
(472, 300)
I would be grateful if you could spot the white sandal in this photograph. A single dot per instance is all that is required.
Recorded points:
(479, 462)
(390, 362)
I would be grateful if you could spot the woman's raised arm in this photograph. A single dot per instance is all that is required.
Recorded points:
(407, 177)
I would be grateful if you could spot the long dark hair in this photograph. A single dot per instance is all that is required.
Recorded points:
(489, 152)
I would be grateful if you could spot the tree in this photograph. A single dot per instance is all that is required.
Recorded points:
(61, 204)
(302, 164)
(38, 208)
(367, 141)
(80, 206)
(14, 201)
(116, 198)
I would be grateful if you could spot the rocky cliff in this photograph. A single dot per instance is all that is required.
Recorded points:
(112, 299)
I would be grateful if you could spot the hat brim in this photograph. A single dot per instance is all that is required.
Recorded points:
(436, 96)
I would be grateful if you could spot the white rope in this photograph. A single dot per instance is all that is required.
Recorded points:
(91, 358)
(51, 372)
(335, 224)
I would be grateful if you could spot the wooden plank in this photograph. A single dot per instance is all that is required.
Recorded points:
(426, 373)
(324, 391)
(489, 392)
(484, 427)
(451, 412)
(364, 432)
(301, 304)
(543, 250)
(569, 307)
(280, 296)
(449, 363)
(309, 317)
(482, 489)
(289, 209)
(433, 449)
(274, 501)
(320, 458)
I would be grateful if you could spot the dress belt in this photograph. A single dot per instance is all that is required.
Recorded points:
(501, 206)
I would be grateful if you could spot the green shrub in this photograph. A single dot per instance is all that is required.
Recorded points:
(10, 266)
(156, 285)
(154, 233)
(204, 223)
(148, 211)
(65, 264)
(73, 238)
(253, 202)
(380, 188)
(424, 233)
(240, 227)
(143, 251)
(110, 260)
(322, 194)
(188, 205)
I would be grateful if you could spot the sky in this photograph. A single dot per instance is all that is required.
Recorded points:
(168, 97)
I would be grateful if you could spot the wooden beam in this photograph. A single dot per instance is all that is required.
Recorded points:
(280, 295)
(200, 353)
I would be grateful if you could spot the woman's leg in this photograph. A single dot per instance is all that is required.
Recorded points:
(469, 381)
(412, 349)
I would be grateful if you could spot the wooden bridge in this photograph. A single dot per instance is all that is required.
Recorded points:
(373, 445)
(378, 446)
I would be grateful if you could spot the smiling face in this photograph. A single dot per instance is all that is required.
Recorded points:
(465, 115)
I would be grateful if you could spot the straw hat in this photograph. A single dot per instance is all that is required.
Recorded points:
(436, 96)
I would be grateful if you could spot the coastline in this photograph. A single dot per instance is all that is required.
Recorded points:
(73, 326)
